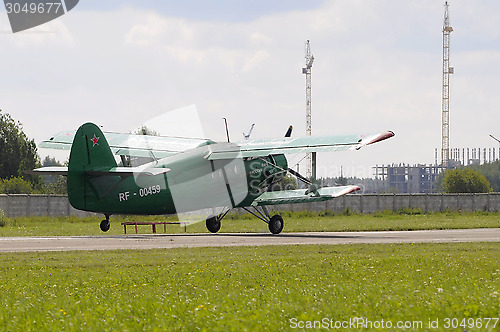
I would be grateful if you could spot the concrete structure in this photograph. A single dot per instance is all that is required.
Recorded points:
(44, 205)
(371, 203)
(404, 178)
(407, 179)
(38, 205)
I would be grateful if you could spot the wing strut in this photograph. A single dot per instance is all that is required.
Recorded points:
(313, 173)
(313, 185)
(299, 176)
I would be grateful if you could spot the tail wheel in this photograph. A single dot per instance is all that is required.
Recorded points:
(105, 224)
(276, 224)
(213, 224)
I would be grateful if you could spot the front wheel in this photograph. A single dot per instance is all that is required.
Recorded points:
(213, 224)
(276, 224)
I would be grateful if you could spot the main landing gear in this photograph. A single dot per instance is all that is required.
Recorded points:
(105, 224)
(275, 222)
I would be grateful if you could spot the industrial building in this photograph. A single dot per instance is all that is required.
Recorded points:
(402, 178)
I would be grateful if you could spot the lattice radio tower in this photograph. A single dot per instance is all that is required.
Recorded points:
(447, 70)
(307, 71)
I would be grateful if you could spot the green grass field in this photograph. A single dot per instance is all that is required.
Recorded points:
(250, 288)
(253, 288)
(294, 222)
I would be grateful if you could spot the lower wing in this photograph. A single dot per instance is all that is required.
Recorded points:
(302, 195)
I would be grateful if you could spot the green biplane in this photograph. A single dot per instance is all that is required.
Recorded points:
(182, 175)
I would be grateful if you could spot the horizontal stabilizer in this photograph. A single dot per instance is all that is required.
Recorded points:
(129, 171)
(54, 170)
(301, 195)
(122, 171)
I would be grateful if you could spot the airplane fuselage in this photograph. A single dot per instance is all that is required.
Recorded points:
(193, 183)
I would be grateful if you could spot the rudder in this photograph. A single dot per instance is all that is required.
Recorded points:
(89, 152)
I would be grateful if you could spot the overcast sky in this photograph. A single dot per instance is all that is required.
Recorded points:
(378, 66)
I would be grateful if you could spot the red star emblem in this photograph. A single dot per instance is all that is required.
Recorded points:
(95, 140)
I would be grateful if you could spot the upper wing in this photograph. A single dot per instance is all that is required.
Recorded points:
(301, 195)
(263, 147)
(164, 146)
(131, 145)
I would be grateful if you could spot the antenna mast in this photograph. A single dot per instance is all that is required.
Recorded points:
(447, 70)
(307, 71)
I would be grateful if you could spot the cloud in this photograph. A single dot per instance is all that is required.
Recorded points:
(260, 38)
(53, 33)
(377, 67)
(147, 33)
(254, 60)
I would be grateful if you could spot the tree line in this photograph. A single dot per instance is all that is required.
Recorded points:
(19, 154)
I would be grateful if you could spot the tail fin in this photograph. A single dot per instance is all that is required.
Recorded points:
(89, 152)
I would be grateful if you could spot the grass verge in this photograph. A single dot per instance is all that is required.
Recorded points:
(294, 222)
(249, 288)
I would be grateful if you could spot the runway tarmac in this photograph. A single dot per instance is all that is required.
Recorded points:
(103, 242)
